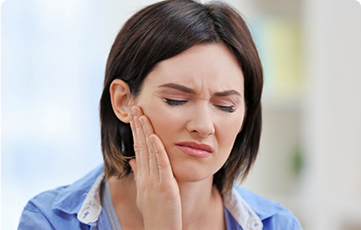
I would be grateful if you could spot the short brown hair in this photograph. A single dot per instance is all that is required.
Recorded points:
(161, 31)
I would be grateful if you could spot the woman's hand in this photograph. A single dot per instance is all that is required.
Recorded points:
(158, 196)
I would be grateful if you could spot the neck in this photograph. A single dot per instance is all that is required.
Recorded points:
(199, 200)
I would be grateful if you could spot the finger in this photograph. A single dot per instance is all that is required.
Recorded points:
(163, 164)
(133, 165)
(148, 130)
(135, 141)
(142, 143)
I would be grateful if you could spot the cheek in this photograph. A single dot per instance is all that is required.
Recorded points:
(165, 122)
(228, 131)
(226, 138)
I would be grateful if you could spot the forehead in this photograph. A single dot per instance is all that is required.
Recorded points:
(210, 65)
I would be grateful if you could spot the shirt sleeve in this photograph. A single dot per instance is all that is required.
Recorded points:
(32, 218)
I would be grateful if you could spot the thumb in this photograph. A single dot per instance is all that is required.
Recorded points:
(133, 165)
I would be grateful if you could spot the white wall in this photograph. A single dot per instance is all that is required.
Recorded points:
(53, 59)
(333, 113)
(325, 120)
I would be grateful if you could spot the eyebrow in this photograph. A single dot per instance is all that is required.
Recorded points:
(227, 93)
(178, 87)
(189, 90)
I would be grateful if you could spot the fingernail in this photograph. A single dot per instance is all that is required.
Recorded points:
(134, 111)
(152, 140)
(141, 120)
(130, 117)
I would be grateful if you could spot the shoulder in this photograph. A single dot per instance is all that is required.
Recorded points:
(272, 214)
(38, 212)
(57, 208)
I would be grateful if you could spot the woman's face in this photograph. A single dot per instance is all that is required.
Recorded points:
(195, 98)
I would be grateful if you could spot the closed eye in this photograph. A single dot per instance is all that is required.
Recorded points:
(229, 109)
(173, 102)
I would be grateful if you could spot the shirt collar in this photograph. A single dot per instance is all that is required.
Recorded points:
(241, 211)
(83, 198)
(91, 208)
(263, 207)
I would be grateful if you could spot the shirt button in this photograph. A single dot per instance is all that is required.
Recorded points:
(254, 225)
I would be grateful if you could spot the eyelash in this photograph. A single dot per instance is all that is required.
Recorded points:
(229, 109)
(172, 102)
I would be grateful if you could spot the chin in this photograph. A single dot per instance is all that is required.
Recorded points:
(191, 173)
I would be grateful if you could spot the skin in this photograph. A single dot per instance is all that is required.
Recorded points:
(196, 96)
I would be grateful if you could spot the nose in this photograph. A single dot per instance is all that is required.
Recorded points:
(201, 121)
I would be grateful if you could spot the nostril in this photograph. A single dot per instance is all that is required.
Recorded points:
(203, 133)
(201, 123)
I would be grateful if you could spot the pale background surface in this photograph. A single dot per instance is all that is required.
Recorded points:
(53, 56)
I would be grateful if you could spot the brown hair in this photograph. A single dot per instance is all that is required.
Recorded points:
(161, 31)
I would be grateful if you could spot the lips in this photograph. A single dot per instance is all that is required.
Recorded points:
(195, 149)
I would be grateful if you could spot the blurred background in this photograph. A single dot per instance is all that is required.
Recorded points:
(53, 56)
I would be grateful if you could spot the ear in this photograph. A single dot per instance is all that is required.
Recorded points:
(121, 99)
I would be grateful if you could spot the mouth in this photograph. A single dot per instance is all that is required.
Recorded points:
(195, 149)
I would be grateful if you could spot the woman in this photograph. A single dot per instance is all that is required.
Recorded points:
(180, 122)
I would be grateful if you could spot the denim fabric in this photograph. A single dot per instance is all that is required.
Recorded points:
(78, 206)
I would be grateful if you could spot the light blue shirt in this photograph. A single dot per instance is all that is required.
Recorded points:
(78, 206)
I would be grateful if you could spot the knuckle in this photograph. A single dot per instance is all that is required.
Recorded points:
(138, 125)
(151, 155)
(162, 163)
(156, 150)
(145, 132)
(136, 147)
(140, 147)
